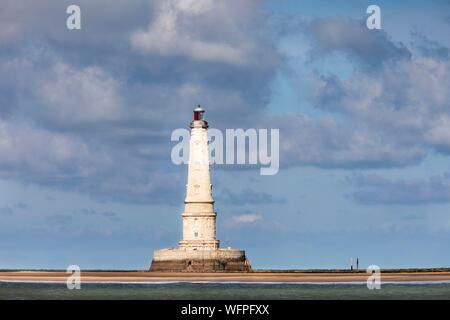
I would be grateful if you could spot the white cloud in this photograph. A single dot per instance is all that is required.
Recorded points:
(375, 190)
(182, 27)
(74, 96)
(247, 218)
(353, 38)
(34, 154)
(439, 133)
(393, 116)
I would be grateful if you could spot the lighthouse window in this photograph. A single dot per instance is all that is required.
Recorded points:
(196, 234)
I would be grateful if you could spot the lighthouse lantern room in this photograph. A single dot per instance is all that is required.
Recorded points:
(198, 113)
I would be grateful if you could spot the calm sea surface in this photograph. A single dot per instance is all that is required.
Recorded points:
(236, 291)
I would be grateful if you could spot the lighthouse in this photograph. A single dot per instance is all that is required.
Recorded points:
(199, 250)
(199, 217)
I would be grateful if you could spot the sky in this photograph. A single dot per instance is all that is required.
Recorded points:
(86, 118)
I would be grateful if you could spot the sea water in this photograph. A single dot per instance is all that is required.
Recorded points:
(228, 291)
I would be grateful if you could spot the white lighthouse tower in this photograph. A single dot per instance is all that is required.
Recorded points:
(199, 249)
(199, 218)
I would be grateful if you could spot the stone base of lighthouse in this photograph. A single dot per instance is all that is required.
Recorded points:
(188, 260)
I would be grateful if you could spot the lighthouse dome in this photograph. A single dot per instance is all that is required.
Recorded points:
(199, 109)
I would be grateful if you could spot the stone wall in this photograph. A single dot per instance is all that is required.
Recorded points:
(221, 260)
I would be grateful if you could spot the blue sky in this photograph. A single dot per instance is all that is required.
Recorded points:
(364, 118)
